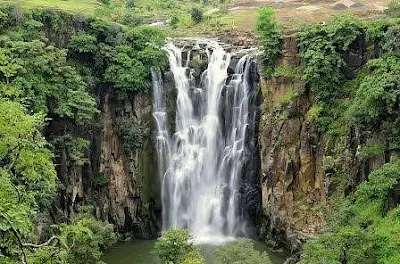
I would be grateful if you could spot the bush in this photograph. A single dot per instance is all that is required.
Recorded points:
(85, 238)
(270, 34)
(130, 19)
(132, 134)
(175, 246)
(393, 9)
(196, 15)
(391, 39)
(174, 22)
(131, 4)
(240, 251)
(376, 105)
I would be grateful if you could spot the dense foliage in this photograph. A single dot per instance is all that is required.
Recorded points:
(376, 106)
(363, 226)
(367, 225)
(121, 58)
(175, 246)
(321, 50)
(270, 36)
(240, 251)
(28, 183)
(355, 101)
(52, 67)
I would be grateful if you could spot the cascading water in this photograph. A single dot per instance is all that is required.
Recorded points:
(201, 163)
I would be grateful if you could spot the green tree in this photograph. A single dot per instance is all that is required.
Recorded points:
(83, 43)
(85, 238)
(27, 177)
(392, 39)
(175, 246)
(270, 35)
(376, 104)
(321, 50)
(196, 14)
(241, 251)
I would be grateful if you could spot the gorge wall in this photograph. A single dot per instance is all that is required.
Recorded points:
(299, 163)
(121, 184)
(116, 172)
(292, 174)
(293, 167)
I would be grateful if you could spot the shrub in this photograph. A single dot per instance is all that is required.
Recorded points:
(287, 72)
(131, 4)
(270, 34)
(393, 9)
(287, 98)
(196, 15)
(392, 39)
(376, 104)
(85, 238)
(175, 246)
(82, 43)
(99, 180)
(130, 19)
(240, 251)
(174, 22)
(132, 134)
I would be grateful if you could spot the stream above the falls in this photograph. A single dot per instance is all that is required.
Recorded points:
(139, 252)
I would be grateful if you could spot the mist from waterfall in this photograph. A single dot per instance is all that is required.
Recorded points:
(201, 161)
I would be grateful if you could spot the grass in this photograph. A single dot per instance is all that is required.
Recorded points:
(117, 10)
(149, 11)
(212, 23)
(87, 7)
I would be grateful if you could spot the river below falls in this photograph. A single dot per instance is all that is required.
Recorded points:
(139, 252)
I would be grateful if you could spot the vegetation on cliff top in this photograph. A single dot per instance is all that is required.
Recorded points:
(271, 37)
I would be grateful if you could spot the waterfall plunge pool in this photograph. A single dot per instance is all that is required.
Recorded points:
(139, 252)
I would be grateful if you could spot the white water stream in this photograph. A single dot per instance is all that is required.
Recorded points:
(201, 161)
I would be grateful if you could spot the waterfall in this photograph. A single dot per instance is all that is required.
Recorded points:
(201, 161)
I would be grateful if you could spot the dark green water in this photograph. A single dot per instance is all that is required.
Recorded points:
(138, 252)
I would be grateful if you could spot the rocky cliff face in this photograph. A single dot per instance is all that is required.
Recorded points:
(119, 180)
(291, 158)
(130, 198)
(298, 162)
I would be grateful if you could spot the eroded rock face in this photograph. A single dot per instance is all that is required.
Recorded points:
(131, 200)
(298, 160)
(291, 159)
(120, 183)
